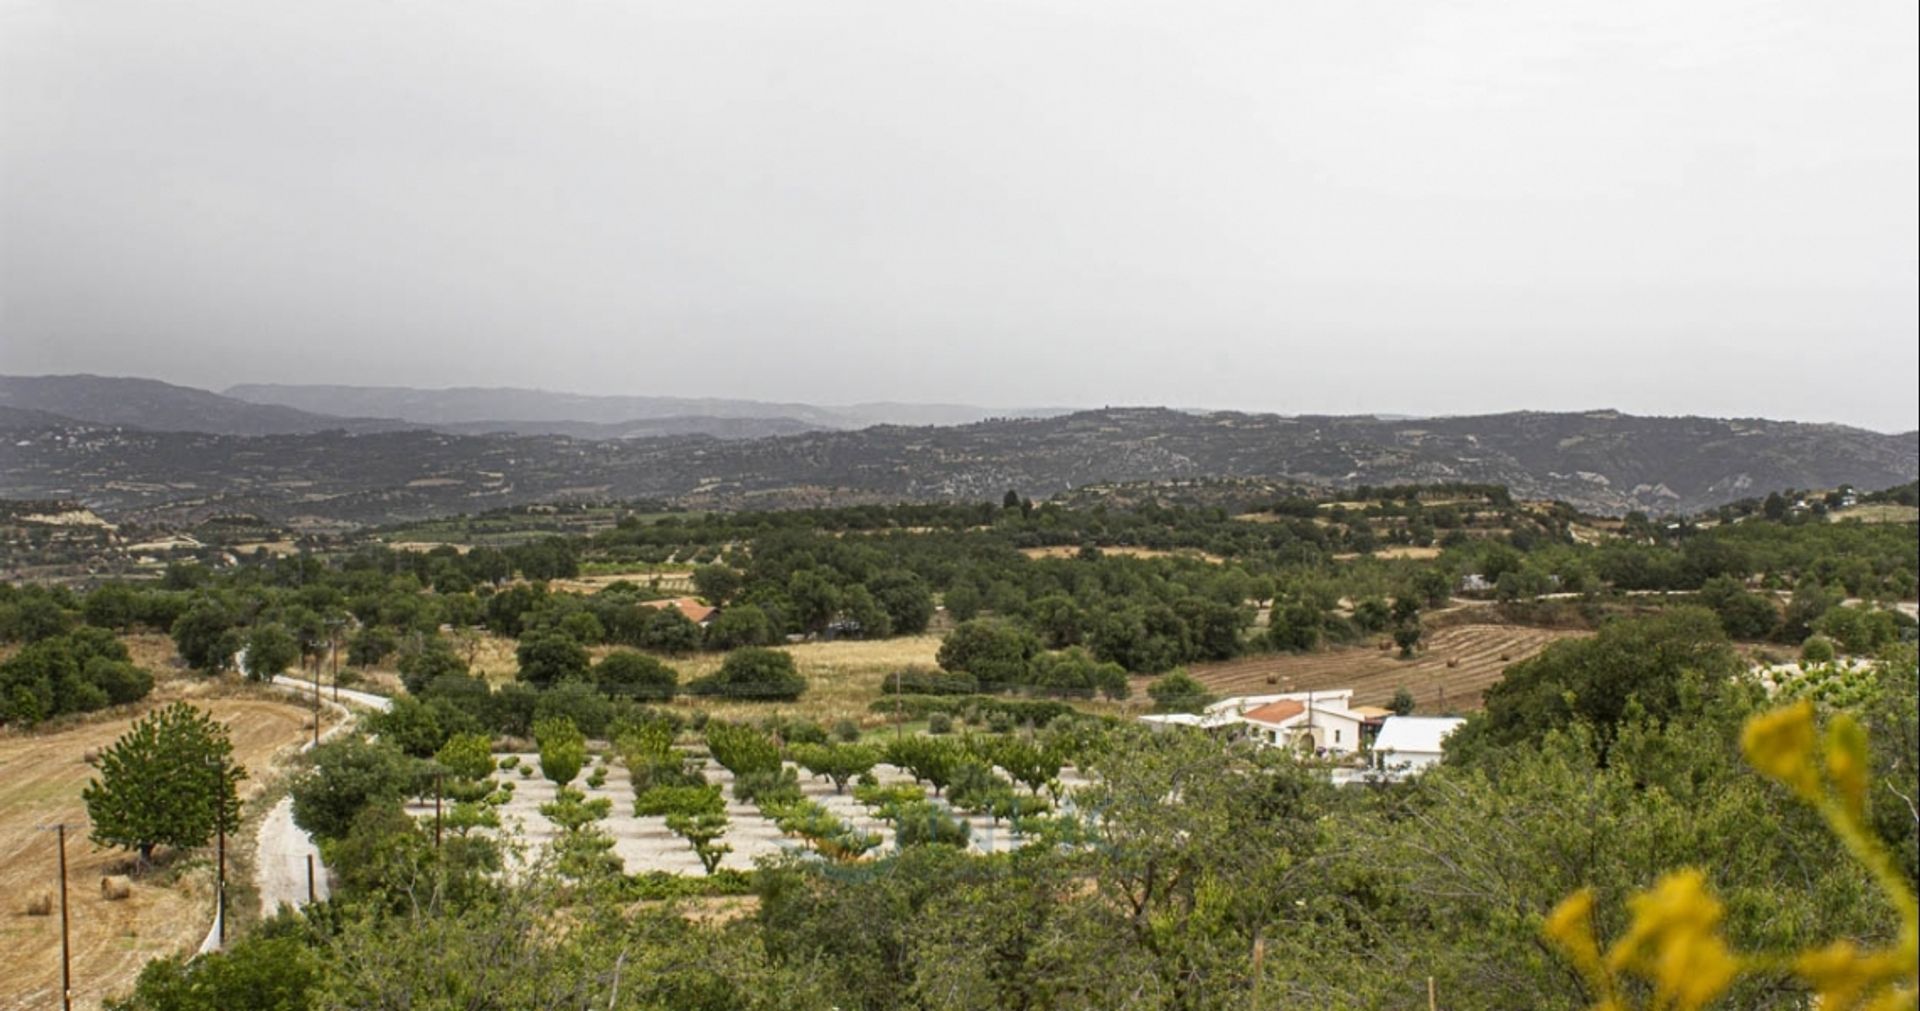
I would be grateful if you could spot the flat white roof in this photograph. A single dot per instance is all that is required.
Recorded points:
(1415, 733)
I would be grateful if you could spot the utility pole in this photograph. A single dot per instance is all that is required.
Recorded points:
(66, 947)
(311, 896)
(316, 703)
(333, 649)
(220, 847)
(436, 811)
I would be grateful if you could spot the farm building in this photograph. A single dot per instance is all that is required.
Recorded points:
(696, 612)
(1321, 722)
(1409, 744)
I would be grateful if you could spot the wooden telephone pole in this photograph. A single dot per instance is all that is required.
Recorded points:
(66, 946)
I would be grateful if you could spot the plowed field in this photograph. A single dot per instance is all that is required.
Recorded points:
(1479, 654)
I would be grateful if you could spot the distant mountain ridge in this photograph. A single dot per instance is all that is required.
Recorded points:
(1600, 461)
(164, 407)
(499, 405)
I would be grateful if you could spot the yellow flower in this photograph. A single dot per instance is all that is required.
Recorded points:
(1570, 925)
(1780, 745)
(1847, 763)
(1673, 942)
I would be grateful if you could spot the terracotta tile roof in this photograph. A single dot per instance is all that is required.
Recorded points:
(1276, 712)
(693, 609)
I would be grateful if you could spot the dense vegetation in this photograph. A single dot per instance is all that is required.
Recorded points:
(1190, 872)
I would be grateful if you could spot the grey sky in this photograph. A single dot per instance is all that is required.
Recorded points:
(1305, 205)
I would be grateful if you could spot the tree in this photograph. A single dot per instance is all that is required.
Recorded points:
(79, 671)
(1407, 637)
(740, 749)
(624, 673)
(741, 625)
(169, 781)
(700, 830)
(348, 776)
(837, 762)
(266, 970)
(467, 756)
(996, 652)
(1178, 692)
(271, 649)
(1668, 666)
(563, 749)
(547, 658)
(427, 660)
(716, 583)
(754, 674)
(1402, 704)
(206, 638)
(669, 630)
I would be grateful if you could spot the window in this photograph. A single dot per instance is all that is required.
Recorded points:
(1336, 737)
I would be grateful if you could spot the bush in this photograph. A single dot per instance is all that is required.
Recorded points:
(1817, 649)
(753, 674)
(929, 681)
(939, 723)
(625, 673)
(997, 653)
(563, 749)
(348, 776)
(1178, 692)
(548, 657)
(845, 730)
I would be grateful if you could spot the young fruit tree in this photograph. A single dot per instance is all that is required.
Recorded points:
(169, 781)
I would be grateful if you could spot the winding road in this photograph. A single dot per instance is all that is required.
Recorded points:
(281, 869)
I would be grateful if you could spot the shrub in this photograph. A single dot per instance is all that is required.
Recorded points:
(846, 731)
(563, 749)
(753, 674)
(1178, 692)
(468, 756)
(925, 823)
(929, 681)
(1817, 649)
(939, 723)
(625, 673)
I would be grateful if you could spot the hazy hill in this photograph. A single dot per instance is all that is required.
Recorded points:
(1599, 461)
(510, 405)
(164, 407)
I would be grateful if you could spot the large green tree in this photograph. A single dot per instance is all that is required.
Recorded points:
(169, 781)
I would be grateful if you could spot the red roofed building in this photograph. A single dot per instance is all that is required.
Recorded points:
(696, 612)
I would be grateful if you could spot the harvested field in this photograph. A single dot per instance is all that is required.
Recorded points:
(1398, 551)
(170, 908)
(1374, 674)
(842, 678)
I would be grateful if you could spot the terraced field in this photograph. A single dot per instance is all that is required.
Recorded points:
(1451, 673)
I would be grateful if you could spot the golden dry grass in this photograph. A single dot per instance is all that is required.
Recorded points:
(1879, 512)
(41, 775)
(842, 678)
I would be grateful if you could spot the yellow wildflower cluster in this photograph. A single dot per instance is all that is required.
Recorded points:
(1674, 942)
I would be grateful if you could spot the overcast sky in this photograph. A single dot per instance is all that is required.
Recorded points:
(1417, 206)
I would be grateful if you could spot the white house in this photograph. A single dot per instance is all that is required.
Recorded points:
(1314, 721)
(1411, 743)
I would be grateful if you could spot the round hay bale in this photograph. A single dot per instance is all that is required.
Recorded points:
(40, 905)
(1385, 645)
(1273, 679)
(1453, 662)
(91, 756)
(115, 887)
(1504, 657)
